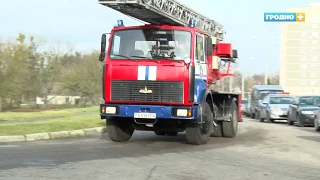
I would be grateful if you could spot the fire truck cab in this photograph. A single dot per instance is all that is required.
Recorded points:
(161, 78)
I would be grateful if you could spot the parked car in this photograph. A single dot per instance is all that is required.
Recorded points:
(317, 120)
(243, 105)
(246, 110)
(275, 107)
(258, 93)
(303, 110)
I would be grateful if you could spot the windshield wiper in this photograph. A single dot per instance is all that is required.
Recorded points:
(125, 57)
(144, 57)
(167, 58)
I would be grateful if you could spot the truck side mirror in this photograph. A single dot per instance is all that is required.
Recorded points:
(234, 53)
(103, 48)
(209, 46)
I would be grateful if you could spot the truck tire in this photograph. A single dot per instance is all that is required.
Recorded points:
(119, 130)
(199, 133)
(229, 128)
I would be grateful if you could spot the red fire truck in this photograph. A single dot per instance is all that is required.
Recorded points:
(162, 76)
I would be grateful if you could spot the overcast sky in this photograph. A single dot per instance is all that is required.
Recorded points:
(81, 22)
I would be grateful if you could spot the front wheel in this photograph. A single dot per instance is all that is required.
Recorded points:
(199, 133)
(289, 120)
(119, 130)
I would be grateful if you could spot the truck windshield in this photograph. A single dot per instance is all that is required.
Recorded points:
(151, 44)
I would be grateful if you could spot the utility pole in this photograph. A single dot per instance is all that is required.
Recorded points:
(266, 72)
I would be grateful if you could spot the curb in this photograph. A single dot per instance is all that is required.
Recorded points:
(53, 135)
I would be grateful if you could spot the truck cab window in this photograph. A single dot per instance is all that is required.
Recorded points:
(116, 45)
(199, 48)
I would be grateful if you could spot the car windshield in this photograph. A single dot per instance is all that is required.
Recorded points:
(151, 44)
(263, 94)
(281, 100)
(310, 101)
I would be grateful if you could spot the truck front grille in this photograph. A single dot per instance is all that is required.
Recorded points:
(147, 91)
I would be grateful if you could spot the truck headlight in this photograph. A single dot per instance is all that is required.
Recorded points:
(108, 110)
(182, 112)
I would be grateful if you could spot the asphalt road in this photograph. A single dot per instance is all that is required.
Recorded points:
(260, 151)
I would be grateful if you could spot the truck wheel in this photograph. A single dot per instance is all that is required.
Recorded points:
(119, 130)
(229, 128)
(199, 132)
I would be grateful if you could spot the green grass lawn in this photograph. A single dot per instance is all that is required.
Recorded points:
(46, 114)
(60, 124)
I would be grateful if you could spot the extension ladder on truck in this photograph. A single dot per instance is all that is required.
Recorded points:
(169, 12)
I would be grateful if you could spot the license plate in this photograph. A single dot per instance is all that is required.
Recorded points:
(284, 113)
(145, 115)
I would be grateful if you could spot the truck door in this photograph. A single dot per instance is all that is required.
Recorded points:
(200, 61)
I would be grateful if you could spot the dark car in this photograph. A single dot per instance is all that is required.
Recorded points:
(303, 110)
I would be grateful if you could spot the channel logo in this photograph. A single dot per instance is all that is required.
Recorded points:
(284, 17)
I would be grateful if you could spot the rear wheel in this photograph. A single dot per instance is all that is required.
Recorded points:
(230, 128)
(199, 133)
(119, 130)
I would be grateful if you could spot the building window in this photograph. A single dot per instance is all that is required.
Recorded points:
(303, 74)
(315, 34)
(314, 83)
(314, 58)
(315, 18)
(303, 83)
(303, 58)
(313, 74)
(304, 66)
(315, 50)
(314, 90)
(304, 42)
(303, 50)
(314, 66)
(315, 26)
(304, 34)
(314, 42)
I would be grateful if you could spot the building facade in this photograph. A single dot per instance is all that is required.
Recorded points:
(300, 53)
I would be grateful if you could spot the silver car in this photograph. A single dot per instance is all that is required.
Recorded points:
(275, 107)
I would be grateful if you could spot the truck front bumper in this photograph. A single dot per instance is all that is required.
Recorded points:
(157, 112)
